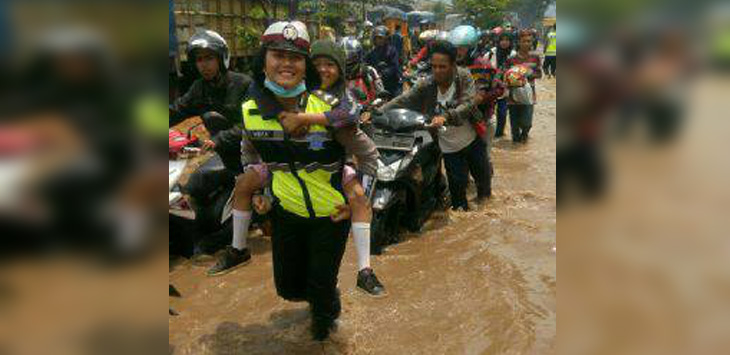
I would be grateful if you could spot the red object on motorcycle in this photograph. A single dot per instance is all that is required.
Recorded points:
(178, 140)
(481, 128)
(359, 83)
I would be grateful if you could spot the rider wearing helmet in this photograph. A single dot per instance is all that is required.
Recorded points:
(396, 39)
(465, 39)
(485, 42)
(384, 58)
(550, 50)
(489, 90)
(503, 50)
(216, 97)
(427, 38)
(430, 38)
(521, 107)
(363, 80)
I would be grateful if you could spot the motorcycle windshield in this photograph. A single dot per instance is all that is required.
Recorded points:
(391, 156)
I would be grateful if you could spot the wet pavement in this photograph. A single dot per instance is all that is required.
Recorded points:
(479, 282)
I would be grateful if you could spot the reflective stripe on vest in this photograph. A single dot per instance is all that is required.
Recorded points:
(552, 48)
(315, 186)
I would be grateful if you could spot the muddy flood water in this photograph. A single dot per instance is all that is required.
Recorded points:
(479, 282)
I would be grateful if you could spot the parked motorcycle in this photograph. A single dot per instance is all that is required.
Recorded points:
(199, 211)
(410, 183)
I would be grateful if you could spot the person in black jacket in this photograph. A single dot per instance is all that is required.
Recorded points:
(216, 97)
(384, 58)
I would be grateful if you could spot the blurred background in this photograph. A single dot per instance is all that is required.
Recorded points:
(83, 90)
(643, 177)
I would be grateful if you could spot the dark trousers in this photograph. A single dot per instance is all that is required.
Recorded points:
(550, 64)
(230, 153)
(501, 117)
(306, 256)
(520, 120)
(458, 166)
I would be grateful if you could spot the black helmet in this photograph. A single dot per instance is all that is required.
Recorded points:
(380, 31)
(208, 39)
(353, 56)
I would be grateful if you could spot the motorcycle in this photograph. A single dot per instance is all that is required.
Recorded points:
(410, 184)
(199, 211)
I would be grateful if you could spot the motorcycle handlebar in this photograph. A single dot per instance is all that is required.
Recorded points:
(440, 129)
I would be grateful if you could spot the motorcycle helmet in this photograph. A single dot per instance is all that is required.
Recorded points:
(516, 76)
(354, 54)
(380, 31)
(428, 35)
(208, 39)
(288, 36)
(464, 36)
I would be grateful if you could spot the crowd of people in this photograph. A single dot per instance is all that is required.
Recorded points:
(292, 129)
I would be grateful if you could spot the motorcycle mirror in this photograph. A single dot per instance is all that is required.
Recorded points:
(191, 129)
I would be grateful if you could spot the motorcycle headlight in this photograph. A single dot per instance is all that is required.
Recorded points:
(386, 172)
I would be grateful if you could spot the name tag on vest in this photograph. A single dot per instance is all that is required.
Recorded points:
(266, 134)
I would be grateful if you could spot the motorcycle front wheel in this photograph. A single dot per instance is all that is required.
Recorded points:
(385, 228)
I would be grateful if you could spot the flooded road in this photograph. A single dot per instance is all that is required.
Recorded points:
(479, 282)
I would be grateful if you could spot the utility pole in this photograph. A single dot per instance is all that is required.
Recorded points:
(293, 7)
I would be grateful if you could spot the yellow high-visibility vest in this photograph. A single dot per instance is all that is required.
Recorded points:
(307, 171)
(552, 47)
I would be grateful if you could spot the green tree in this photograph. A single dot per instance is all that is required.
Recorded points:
(484, 14)
(250, 31)
(439, 11)
(530, 11)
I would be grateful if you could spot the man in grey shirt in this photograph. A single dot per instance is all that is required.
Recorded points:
(449, 96)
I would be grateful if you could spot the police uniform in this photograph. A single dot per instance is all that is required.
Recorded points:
(551, 53)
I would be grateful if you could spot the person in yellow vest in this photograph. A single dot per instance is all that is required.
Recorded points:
(329, 59)
(551, 52)
(306, 174)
